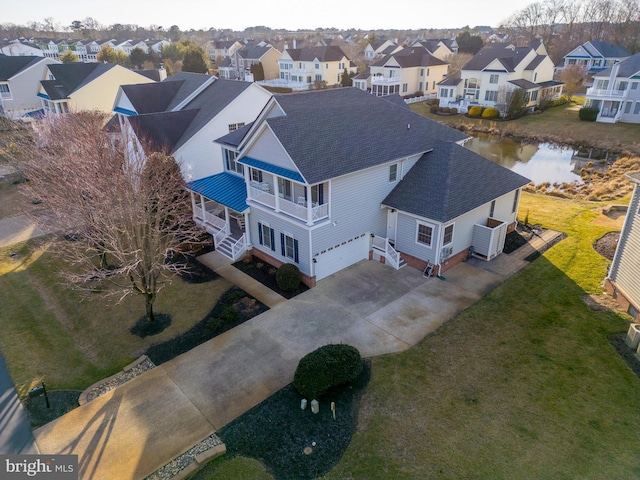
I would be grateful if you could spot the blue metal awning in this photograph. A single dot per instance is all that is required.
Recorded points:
(124, 111)
(225, 188)
(268, 167)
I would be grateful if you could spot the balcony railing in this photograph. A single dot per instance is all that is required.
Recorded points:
(379, 80)
(296, 210)
(605, 92)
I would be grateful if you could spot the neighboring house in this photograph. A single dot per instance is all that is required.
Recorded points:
(19, 81)
(438, 47)
(405, 72)
(84, 86)
(375, 50)
(239, 64)
(18, 48)
(595, 56)
(311, 183)
(623, 280)
(128, 45)
(496, 69)
(222, 48)
(308, 65)
(616, 92)
(184, 114)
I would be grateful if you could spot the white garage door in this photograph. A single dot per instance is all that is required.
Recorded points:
(341, 256)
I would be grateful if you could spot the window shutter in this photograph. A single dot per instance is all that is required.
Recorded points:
(260, 234)
(321, 194)
(295, 250)
(282, 245)
(273, 239)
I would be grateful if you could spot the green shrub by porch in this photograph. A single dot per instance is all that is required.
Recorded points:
(288, 277)
(588, 114)
(490, 113)
(476, 111)
(328, 366)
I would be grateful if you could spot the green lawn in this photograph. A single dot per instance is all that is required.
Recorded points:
(55, 334)
(523, 385)
(560, 124)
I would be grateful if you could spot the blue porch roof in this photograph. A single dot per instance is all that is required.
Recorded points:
(267, 167)
(225, 188)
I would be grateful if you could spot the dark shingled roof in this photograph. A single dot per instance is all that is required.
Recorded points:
(329, 133)
(411, 57)
(450, 181)
(253, 53)
(233, 139)
(10, 66)
(526, 84)
(363, 75)
(162, 131)
(205, 106)
(535, 62)
(69, 77)
(497, 51)
(323, 54)
(191, 82)
(627, 68)
(609, 51)
(451, 80)
(151, 97)
(150, 74)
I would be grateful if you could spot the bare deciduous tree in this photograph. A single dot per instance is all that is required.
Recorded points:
(129, 213)
(573, 78)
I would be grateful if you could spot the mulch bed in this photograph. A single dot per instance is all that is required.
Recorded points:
(514, 241)
(266, 274)
(606, 245)
(277, 431)
(212, 325)
(60, 401)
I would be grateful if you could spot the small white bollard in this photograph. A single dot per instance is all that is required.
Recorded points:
(333, 409)
(315, 406)
(303, 404)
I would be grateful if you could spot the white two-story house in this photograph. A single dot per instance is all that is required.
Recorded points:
(499, 67)
(308, 65)
(328, 178)
(594, 56)
(616, 92)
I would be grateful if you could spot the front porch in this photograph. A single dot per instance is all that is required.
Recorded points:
(219, 206)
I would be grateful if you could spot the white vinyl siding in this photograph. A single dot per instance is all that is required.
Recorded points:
(268, 147)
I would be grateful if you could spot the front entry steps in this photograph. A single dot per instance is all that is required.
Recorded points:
(225, 247)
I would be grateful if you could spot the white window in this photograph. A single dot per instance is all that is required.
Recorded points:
(289, 250)
(266, 235)
(235, 126)
(634, 86)
(5, 92)
(422, 72)
(256, 175)
(427, 72)
(405, 87)
(317, 66)
(491, 95)
(493, 78)
(424, 234)
(515, 201)
(393, 172)
(232, 165)
(623, 86)
(448, 235)
(627, 107)
(420, 86)
(636, 110)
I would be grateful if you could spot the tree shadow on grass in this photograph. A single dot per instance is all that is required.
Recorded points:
(234, 307)
(143, 328)
(277, 431)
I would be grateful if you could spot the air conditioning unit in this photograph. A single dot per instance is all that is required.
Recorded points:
(633, 336)
(446, 253)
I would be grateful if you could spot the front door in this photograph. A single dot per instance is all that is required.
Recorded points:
(392, 224)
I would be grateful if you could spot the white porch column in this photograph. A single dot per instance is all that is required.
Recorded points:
(227, 226)
(276, 188)
(202, 205)
(247, 230)
(193, 204)
(309, 205)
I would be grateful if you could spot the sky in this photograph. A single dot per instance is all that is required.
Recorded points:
(238, 15)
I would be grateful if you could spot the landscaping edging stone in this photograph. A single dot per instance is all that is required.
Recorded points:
(191, 461)
(105, 385)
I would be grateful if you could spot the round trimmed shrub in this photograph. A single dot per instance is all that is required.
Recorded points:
(446, 110)
(288, 277)
(454, 110)
(588, 114)
(475, 111)
(490, 113)
(327, 367)
(434, 108)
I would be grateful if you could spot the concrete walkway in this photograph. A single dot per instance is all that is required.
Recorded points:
(222, 266)
(137, 428)
(18, 229)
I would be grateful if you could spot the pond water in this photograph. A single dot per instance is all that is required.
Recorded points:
(540, 162)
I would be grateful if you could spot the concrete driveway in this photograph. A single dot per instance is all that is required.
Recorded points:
(134, 430)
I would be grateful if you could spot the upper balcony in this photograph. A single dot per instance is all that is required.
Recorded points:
(308, 204)
(380, 80)
(606, 93)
